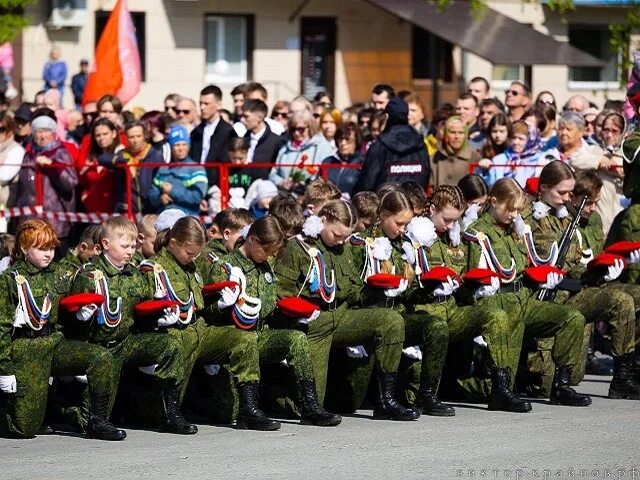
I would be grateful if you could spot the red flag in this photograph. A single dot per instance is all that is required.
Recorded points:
(116, 68)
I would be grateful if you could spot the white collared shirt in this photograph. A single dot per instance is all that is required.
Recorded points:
(254, 138)
(209, 129)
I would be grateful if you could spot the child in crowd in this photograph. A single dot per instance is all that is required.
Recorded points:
(366, 204)
(6, 247)
(146, 238)
(319, 192)
(288, 211)
(82, 253)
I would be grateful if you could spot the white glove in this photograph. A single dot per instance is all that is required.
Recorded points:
(395, 292)
(614, 271)
(479, 340)
(149, 369)
(85, 313)
(306, 321)
(634, 257)
(170, 317)
(553, 280)
(228, 297)
(413, 352)
(81, 379)
(357, 352)
(488, 290)
(212, 369)
(8, 383)
(447, 288)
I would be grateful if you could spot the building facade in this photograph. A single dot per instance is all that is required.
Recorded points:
(303, 46)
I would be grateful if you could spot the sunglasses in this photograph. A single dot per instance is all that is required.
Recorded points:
(167, 108)
(281, 115)
(3, 130)
(547, 102)
(316, 115)
(300, 129)
(183, 112)
(515, 93)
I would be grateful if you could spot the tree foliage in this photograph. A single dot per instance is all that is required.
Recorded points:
(12, 18)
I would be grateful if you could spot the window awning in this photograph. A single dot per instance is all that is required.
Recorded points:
(493, 36)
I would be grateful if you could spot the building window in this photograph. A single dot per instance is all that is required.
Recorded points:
(138, 19)
(227, 46)
(431, 54)
(593, 39)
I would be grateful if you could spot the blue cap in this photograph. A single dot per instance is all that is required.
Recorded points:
(178, 134)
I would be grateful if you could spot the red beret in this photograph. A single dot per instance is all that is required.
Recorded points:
(73, 303)
(384, 280)
(438, 274)
(622, 248)
(153, 307)
(539, 274)
(480, 275)
(604, 260)
(217, 287)
(532, 186)
(296, 307)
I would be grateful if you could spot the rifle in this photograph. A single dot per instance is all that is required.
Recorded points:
(563, 248)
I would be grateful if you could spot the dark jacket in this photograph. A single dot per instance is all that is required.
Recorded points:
(141, 181)
(345, 178)
(266, 152)
(399, 155)
(217, 147)
(58, 184)
(78, 84)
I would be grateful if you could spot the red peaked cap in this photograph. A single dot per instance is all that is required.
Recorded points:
(73, 303)
(153, 307)
(480, 275)
(539, 274)
(532, 186)
(438, 274)
(296, 307)
(384, 280)
(604, 260)
(213, 288)
(622, 248)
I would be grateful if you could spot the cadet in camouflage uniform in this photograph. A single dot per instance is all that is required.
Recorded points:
(174, 276)
(248, 265)
(32, 347)
(550, 218)
(493, 243)
(113, 325)
(432, 317)
(320, 268)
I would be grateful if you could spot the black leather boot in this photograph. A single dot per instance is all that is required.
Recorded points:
(312, 411)
(250, 417)
(502, 398)
(563, 394)
(622, 384)
(99, 425)
(174, 422)
(428, 402)
(387, 407)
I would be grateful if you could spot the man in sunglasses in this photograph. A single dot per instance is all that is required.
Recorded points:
(187, 114)
(517, 99)
(171, 104)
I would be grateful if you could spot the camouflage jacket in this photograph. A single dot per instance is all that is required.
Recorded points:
(126, 287)
(631, 165)
(587, 242)
(296, 275)
(507, 250)
(183, 282)
(45, 289)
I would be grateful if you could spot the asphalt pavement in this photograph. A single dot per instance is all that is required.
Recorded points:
(601, 441)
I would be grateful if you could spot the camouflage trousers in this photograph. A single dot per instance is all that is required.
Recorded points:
(204, 344)
(37, 359)
(379, 330)
(432, 327)
(617, 304)
(534, 319)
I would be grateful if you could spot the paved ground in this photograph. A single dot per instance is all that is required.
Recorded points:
(596, 442)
